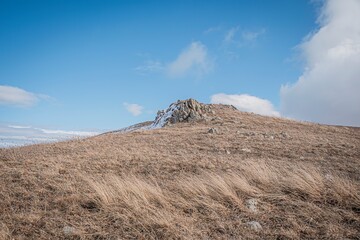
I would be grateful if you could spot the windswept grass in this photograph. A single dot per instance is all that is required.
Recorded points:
(297, 201)
(295, 180)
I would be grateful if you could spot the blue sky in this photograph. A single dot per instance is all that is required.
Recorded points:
(98, 65)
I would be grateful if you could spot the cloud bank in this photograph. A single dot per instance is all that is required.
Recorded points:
(13, 96)
(246, 103)
(328, 90)
(16, 135)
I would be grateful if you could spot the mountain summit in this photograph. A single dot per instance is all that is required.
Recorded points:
(182, 111)
(188, 111)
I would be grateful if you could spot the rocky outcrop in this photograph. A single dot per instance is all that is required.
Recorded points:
(182, 111)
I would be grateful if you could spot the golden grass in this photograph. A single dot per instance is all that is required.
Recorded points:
(213, 204)
(182, 183)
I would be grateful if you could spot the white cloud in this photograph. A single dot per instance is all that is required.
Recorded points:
(16, 135)
(229, 36)
(212, 29)
(133, 108)
(246, 103)
(19, 127)
(328, 90)
(150, 66)
(240, 38)
(63, 132)
(252, 36)
(193, 60)
(17, 97)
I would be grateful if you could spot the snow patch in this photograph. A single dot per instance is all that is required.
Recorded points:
(163, 116)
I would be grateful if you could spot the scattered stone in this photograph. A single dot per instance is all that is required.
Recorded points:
(246, 150)
(302, 158)
(249, 134)
(216, 119)
(284, 135)
(228, 152)
(213, 131)
(254, 225)
(67, 230)
(252, 204)
(329, 177)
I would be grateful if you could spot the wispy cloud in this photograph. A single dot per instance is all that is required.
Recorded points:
(239, 38)
(14, 96)
(328, 89)
(250, 36)
(150, 66)
(212, 29)
(247, 103)
(69, 133)
(230, 34)
(133, 108)
(194, 59)
(19, 127)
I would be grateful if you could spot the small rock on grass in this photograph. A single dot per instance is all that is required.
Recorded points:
(68, 230)
(254, 225)
(252, 205)
(213, 131)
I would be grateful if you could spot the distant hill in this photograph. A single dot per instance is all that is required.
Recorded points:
(197, 172)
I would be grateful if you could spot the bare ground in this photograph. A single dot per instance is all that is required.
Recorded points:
(296, 180)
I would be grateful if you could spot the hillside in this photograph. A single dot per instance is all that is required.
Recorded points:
(212, 173)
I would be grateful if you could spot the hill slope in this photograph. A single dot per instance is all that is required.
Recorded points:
(223, 175)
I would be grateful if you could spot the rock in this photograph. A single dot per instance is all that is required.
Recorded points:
(254, 225)
(329, 177)
(182, 111)
(252, 205)
(67, 230)
(228, 152)
(213, 131)
(246, 150)
(284, 135)
(249, 134)
(216, 119)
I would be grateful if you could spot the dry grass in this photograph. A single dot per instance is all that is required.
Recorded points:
(182, 183)
(306, 202)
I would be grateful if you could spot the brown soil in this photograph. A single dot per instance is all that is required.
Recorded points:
(182, 182)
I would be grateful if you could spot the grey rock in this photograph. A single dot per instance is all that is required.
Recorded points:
(67, 230)
(251, 204)
(213, 131)
(254, 225)
(246, 150)
(182, 111)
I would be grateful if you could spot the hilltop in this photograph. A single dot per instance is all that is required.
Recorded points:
(198, 171)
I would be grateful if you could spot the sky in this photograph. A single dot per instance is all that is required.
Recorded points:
(91, 66)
